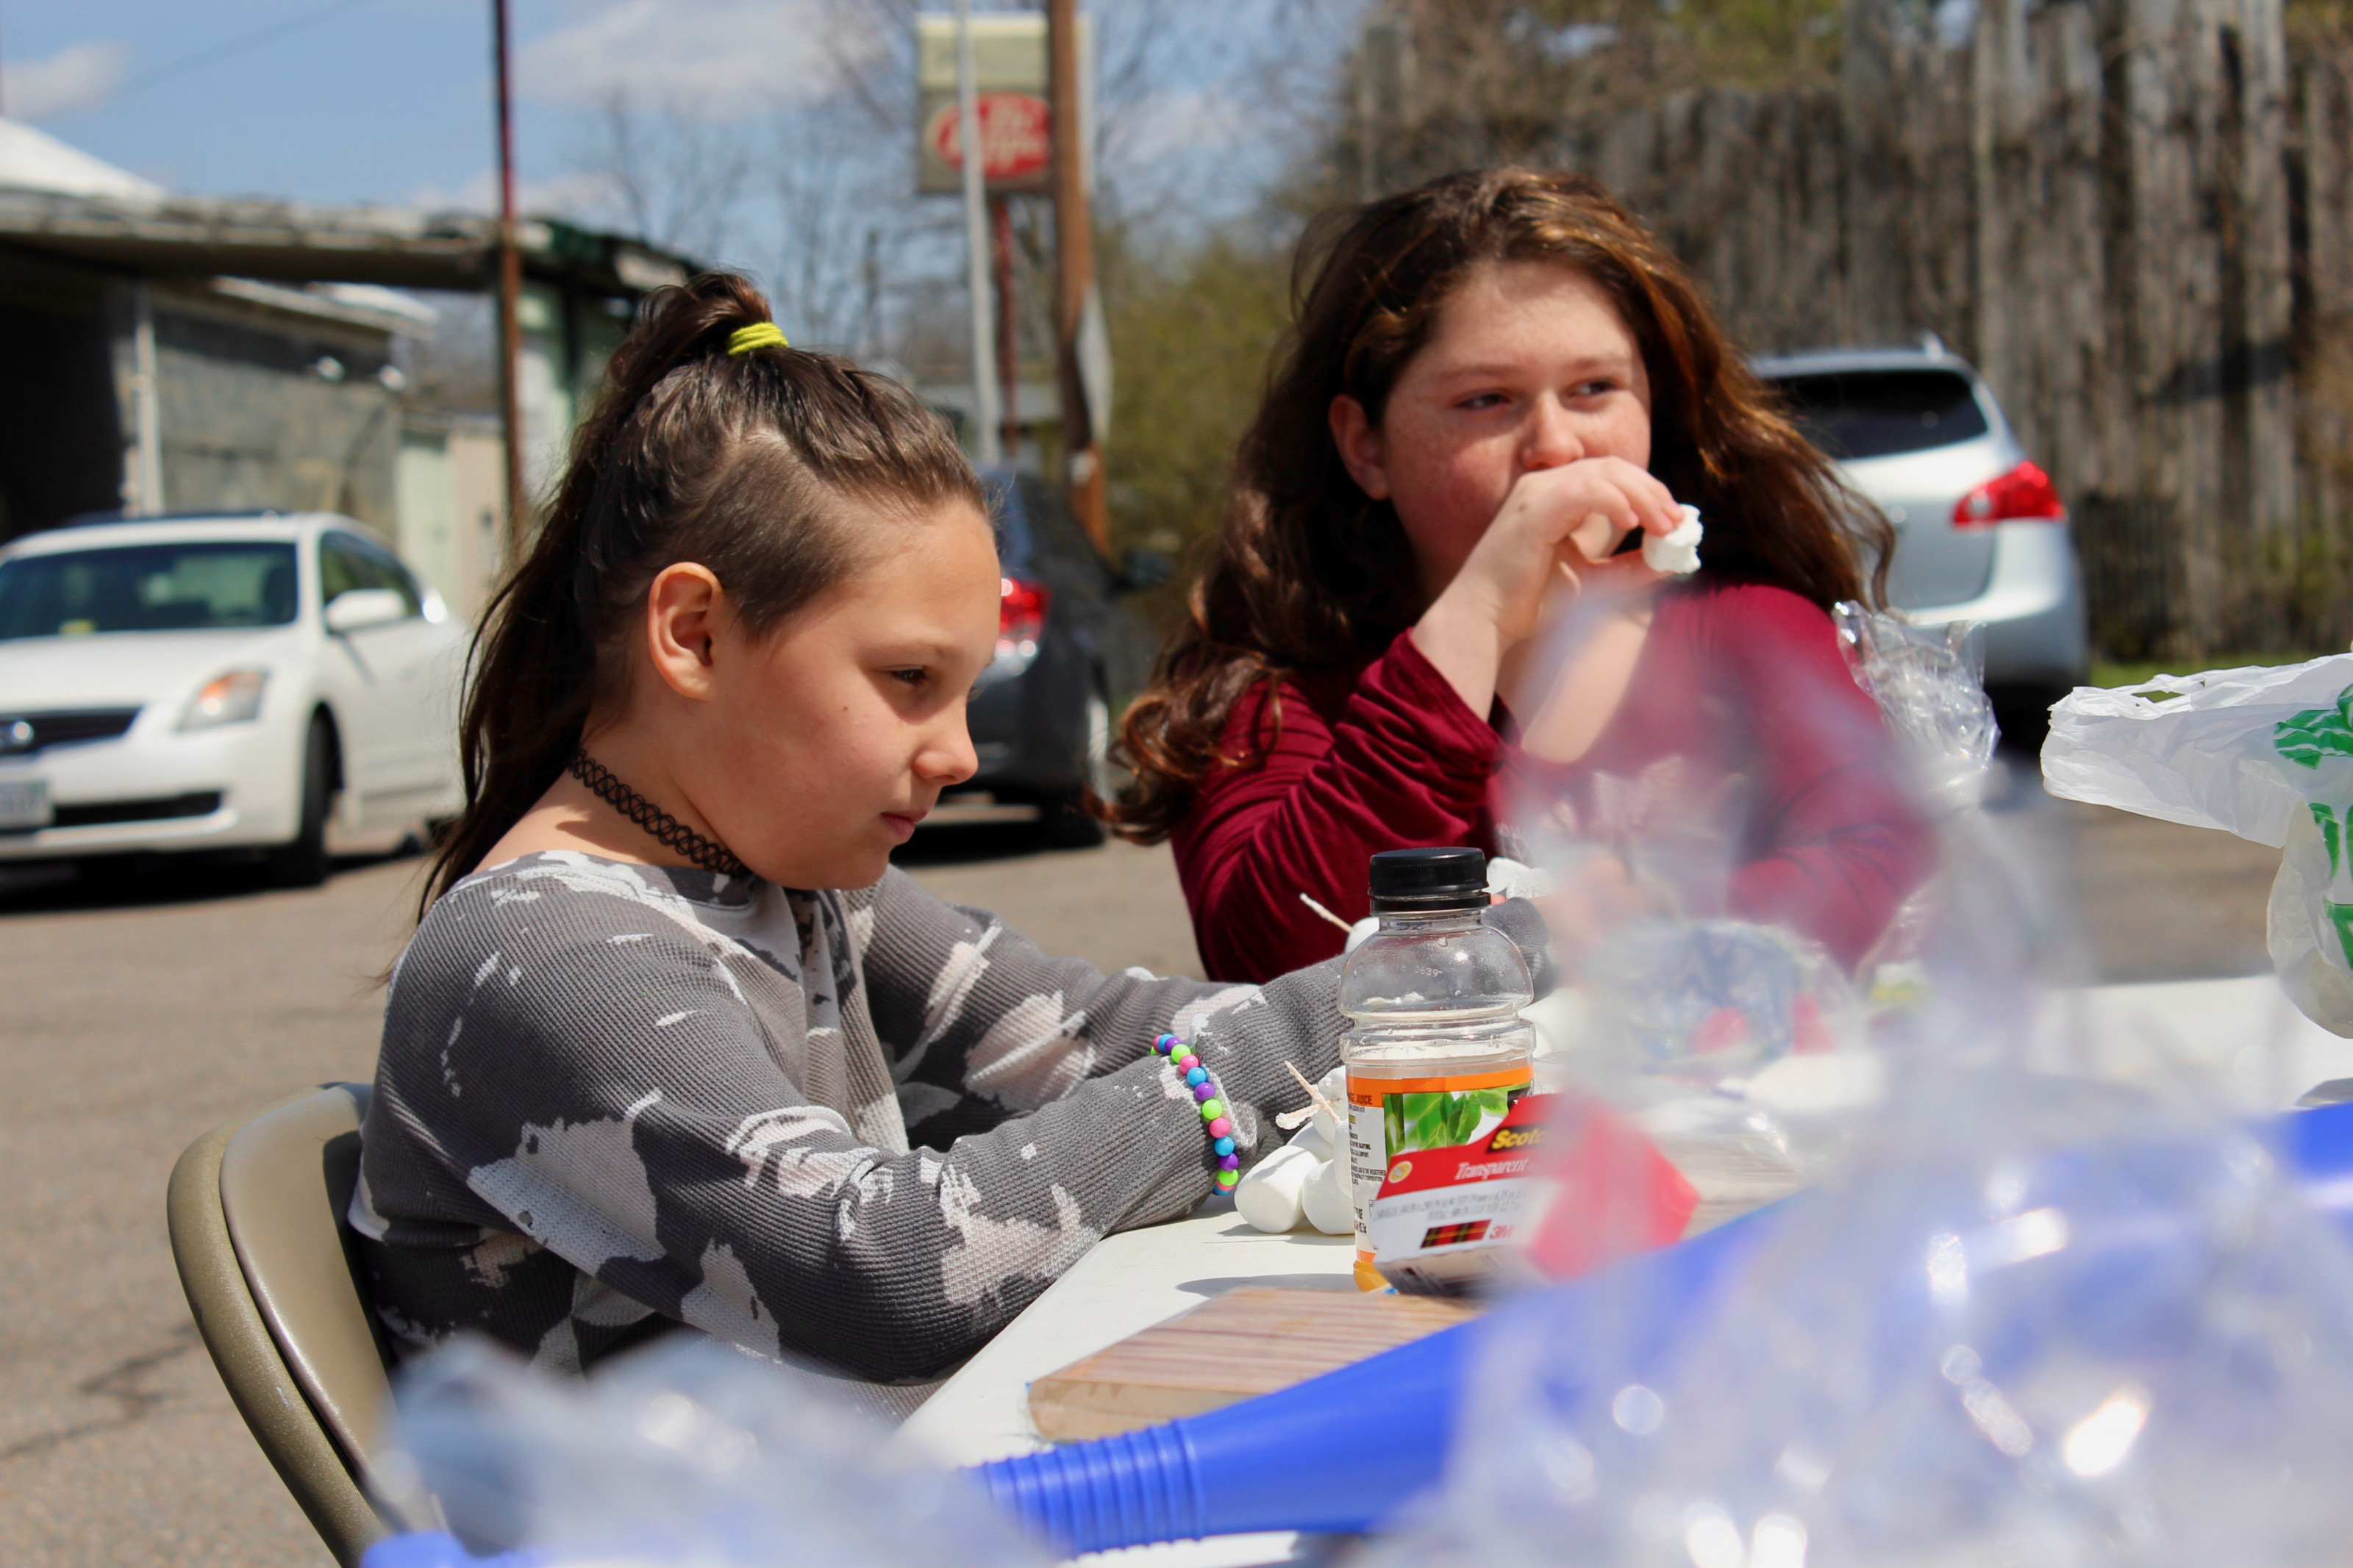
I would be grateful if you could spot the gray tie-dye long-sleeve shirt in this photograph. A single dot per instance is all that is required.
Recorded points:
(866, 1127)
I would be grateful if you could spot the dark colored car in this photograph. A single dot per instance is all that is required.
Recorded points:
(1068, 650)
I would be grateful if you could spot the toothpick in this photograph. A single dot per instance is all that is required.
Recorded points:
(1327, 914)
(1322, 1104)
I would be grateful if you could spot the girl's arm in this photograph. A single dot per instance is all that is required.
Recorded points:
(596, 1080)
(977, 1012)
(1558, 532)
(984, 1026)
(1842, 842)
(1405, 763)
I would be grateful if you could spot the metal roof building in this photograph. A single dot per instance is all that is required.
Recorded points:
(168, 351)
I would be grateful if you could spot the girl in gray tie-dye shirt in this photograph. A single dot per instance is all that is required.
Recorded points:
(630, 1076)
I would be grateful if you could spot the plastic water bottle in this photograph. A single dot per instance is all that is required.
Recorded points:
(1436, 1049)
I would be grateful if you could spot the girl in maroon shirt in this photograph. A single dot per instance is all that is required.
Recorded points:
(1497, 383)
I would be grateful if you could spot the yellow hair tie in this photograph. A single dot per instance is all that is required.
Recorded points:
(758, 335)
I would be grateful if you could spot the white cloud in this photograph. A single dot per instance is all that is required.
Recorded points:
(79, 75)
(717, 59)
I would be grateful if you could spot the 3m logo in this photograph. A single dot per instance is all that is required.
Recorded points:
(1453, 1235)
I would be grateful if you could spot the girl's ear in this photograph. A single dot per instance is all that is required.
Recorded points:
(683, 610)
(1359, 441)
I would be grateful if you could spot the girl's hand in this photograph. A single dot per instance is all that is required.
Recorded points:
(1558, 529)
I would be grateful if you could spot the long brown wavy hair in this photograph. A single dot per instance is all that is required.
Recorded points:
(693, 453)
(1310, 572)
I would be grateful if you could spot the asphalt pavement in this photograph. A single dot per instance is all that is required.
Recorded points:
(143, 1008)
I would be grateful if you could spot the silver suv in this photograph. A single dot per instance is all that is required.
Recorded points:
(1981, 534)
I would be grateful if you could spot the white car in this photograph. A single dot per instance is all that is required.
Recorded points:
(273, 683)
(1981, 533)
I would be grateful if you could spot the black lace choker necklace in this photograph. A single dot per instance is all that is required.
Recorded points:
(658, 822)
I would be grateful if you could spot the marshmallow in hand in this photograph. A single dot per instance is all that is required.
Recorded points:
(1676, 553)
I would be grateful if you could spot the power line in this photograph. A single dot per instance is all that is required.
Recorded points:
(240, 45)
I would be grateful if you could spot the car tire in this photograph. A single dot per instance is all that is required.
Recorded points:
(303, 861)
(1068, 823)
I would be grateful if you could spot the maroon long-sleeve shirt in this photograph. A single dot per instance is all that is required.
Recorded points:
(1741, 698)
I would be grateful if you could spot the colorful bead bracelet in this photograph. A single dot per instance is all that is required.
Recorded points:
(1209, 1102)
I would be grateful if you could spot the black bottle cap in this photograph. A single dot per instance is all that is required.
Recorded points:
(1407, 880)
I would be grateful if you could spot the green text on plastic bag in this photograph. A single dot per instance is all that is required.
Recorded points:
(2317, 732)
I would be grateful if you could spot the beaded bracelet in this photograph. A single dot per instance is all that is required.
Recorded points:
(1211, 1105)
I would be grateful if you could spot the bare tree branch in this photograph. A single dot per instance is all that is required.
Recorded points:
(679, 179)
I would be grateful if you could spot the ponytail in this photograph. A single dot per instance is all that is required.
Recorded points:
(735, 459)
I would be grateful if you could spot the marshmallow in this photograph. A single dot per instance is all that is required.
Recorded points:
(1307, 1177)
(1270, 1196)
(1508, 879)
(1329, 1205)
(1676, 551)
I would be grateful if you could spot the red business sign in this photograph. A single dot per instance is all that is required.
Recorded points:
(1017, 141)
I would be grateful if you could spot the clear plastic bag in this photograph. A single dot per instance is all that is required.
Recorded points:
(685, 1455)
(2038, 1322)
(1699, 1001)
(1929, 683)
(1706, 1035)
(2020, 1318)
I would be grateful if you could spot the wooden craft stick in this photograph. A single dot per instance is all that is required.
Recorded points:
(1327, 914)
(1321, 1103)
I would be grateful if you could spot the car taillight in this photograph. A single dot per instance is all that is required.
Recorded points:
(1020, 617)
(2023, 493)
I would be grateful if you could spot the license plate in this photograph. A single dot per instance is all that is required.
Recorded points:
(24, 803)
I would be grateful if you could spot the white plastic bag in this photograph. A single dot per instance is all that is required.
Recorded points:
(2266, 753)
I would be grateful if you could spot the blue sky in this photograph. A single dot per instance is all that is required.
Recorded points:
(387, 100)
(382, 100)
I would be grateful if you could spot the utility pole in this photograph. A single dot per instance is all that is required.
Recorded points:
(1382, 69)
(976, 240)
(1008, 324)
(509, 298)
(1074, 270)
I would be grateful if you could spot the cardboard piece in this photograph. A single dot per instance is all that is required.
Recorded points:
(1252, 1340)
